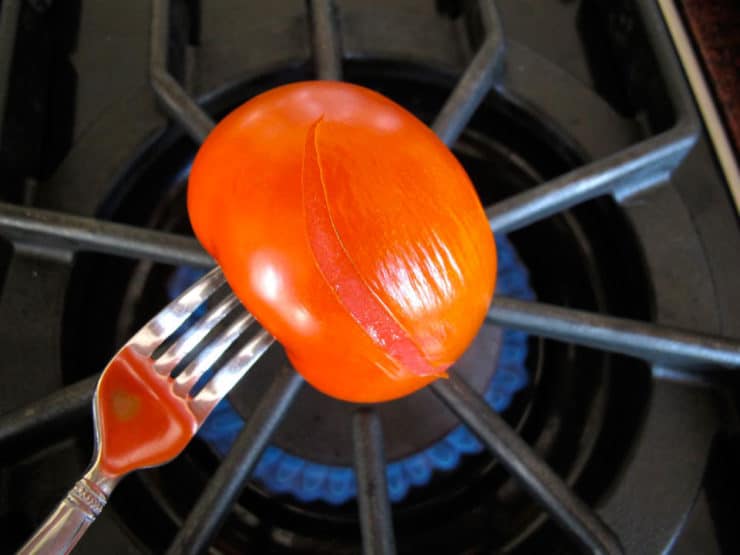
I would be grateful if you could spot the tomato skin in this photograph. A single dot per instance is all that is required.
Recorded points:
(350, 232)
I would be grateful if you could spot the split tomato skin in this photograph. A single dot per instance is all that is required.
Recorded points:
(350, 232)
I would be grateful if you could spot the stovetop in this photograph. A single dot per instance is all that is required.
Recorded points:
(603, 386)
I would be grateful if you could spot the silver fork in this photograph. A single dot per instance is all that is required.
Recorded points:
(143, 415)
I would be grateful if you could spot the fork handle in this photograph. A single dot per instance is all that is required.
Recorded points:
(64, 527)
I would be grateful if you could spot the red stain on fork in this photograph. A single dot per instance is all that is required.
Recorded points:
(141, 423)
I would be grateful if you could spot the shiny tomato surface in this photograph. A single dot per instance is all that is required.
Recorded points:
(350, 231)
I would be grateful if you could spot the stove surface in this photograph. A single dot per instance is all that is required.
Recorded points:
(597, 409)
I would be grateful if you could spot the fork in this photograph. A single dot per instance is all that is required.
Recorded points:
(144, 416)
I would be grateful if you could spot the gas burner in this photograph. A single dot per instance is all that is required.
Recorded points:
(314, 462)
(589, 402)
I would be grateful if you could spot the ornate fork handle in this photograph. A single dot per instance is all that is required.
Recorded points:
(67, 523)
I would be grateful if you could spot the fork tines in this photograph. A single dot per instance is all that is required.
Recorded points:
(194, 345)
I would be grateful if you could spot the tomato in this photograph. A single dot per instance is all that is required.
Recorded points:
(350, 231)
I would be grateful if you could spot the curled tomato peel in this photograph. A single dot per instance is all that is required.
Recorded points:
(350, 231)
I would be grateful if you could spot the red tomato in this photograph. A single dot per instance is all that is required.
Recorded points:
(351, 233)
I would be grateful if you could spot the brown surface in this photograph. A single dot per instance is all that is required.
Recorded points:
(715, 28)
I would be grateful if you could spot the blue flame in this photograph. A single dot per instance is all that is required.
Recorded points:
(283, 473)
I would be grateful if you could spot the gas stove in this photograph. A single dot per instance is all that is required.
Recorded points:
(597, 408)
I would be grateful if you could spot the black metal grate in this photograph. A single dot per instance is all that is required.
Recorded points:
(640, 166)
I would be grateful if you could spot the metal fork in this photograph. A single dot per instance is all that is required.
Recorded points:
(143, 415)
